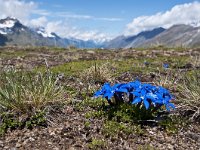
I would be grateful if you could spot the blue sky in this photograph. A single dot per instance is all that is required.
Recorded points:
(125, 10)
(101, 19)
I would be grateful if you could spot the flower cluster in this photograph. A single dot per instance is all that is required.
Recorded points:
(139, 93)
(165, 66)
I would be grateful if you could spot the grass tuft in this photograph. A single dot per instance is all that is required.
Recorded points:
(26, 92)
(97, 74)
(189, 97)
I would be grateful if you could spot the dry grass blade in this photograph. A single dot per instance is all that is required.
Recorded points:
(190, 94)
(169, 79)
(25, 92)
(97, 74)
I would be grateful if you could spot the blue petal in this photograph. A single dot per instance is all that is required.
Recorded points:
(165, 66)
(137, 100)
(98, 93)
(146, 104)
(143, 92)
(158, 101)
(151, 96)
(170, 105)
(123, 90)
(116, 86)
(135, 84)
(108, 95)
(135, 93)
(106, 86)
(167, 98)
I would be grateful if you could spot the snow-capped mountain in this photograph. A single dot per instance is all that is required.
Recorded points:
(7, 24)
(44, 33)
(13, 32)
(10, 25)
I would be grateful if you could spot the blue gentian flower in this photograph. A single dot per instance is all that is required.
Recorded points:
(146, 63)
(108, 91)
(140, 96)
(165, 66)
(145, 94)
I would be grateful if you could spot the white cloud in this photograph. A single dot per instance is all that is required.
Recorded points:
(78, 16)
(92, 35)
(39, 22)
(64, 29)
(72, 15)
(188, 13)
(16, 8)
(109, 19)
(23, 10)
(42, 12)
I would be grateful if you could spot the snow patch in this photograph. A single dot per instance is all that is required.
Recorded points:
(45, 34)
(190, 40)
(2, 32)
(7, 24)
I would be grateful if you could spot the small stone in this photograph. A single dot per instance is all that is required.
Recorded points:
(18, 145)
(50, 143)
(31, 139)
(6, 147)
(25, 142)
(170, 146)
(52, 133)
(1, 143)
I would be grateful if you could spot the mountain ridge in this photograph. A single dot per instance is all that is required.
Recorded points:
(13, 32)
(130, 41)
(179, 35)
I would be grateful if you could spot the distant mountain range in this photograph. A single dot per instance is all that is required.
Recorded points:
(133, 41)
(13, 32)
(175, 36)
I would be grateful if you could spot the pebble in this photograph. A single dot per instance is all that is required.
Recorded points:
(31, 139)
(18, 145)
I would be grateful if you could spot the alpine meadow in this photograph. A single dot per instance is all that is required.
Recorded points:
(79, 75)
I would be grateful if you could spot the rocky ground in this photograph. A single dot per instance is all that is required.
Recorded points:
(77, 126)
(70, 131)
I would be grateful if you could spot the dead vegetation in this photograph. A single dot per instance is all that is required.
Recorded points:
(57, 86)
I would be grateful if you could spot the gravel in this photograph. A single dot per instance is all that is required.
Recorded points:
(69, 132)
